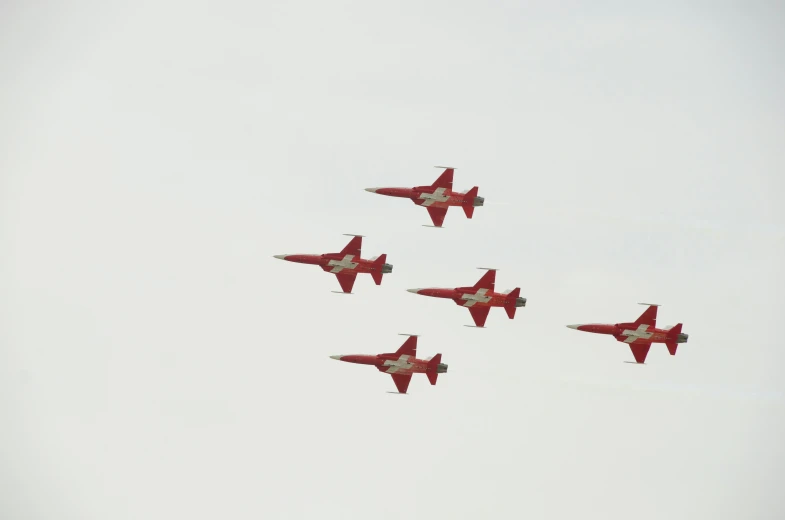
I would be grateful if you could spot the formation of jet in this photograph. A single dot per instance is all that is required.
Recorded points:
(479, 298)
(437, 197)
(401, 364)
(347, 264)
(641, 333)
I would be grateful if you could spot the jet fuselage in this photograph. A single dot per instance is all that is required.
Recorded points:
(628, 330)
(403, 364)
(333, 261)
(464, 295)
(431, 197)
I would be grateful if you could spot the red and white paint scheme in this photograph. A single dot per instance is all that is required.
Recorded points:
(401, 364)
(641, 333)
(437, 197)
(480, 297)
(347, 264)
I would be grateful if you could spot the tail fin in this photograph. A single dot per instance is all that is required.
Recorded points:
(468, 201)
(512, 298)
(433, 366)
(673, 334)
(674, 331)
(378, 273)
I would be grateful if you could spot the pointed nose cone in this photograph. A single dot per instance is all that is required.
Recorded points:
(573, 327)
(336, 357)
(415, 291)
(280, 257)
(372, 190)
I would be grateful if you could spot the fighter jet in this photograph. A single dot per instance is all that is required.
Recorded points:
(401, 364)
(346, 264)
(641, 333)
(479, 298)
(437, 197)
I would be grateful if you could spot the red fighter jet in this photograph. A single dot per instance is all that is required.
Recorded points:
(401, 364)
(346, 264)
(479, 298)
(437, 197)
(641, 333)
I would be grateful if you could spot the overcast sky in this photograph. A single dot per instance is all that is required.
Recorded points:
(157, 362)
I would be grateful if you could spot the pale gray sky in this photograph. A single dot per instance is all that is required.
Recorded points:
(157, 362)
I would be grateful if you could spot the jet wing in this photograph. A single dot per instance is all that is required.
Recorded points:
(487, 281)
(402, 382)
(640, 350)
(437, 215)
(409, 347)
(649, 317)
(354, 247)
(346, 281)
(445, 179)
(479, 314)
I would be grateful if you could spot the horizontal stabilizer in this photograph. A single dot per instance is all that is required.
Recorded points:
(433, 368)
(468, 201)
(671, 347)
(378, 273)
(512, 302)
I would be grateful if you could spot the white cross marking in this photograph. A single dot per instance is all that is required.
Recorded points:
(339, 265)
(436, 196)
(398, 364)
(471, 299)
(639, 333)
